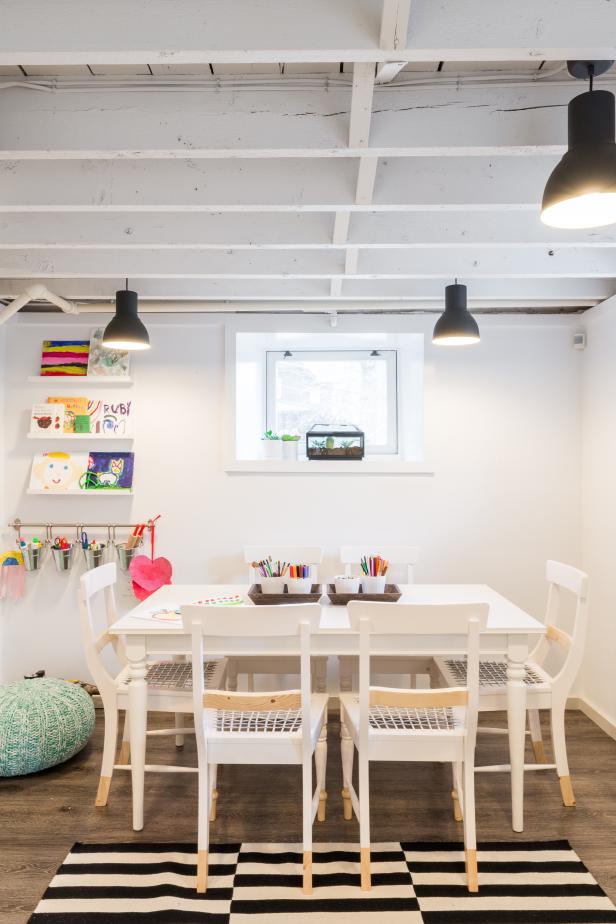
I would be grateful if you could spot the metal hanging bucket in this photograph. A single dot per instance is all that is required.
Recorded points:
(126, 555)
(63, 558)
(33, 558)
(93, 557)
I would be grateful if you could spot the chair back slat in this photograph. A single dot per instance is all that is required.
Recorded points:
(253, 702)
(418, 618)
(572, 579)
(418, 699)
(252, 621)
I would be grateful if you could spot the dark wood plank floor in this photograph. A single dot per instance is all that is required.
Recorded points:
(41, 816)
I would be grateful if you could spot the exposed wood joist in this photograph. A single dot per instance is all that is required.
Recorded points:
(437, 263)
(276, 123)
(254, 31)
(516, 292)
(299, 185)
(290, 231)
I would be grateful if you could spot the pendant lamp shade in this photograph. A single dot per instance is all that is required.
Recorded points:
(456, 326)
(126, 331)
(581, 192)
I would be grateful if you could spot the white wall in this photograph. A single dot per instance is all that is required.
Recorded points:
(598, 679)
(502, 434)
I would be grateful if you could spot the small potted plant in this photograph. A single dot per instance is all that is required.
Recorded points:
(271, 445)
(290, 444)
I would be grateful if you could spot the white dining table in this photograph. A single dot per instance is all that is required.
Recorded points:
(509, 630)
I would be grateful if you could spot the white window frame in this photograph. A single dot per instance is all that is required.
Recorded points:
(272, 357)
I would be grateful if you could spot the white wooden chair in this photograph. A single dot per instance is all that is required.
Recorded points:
(285, 727)
(169, 682)
(543, 690)
(279, 666)
(402, 558)
(388, 724)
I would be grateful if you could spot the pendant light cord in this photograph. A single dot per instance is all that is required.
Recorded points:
(591, 75)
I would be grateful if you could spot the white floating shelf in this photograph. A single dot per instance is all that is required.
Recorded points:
(119, 492)
(92, 437)
(90, 380)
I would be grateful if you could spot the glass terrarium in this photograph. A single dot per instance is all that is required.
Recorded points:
(341, 441)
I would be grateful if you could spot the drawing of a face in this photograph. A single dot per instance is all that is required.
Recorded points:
(57, 474)
(56, 471)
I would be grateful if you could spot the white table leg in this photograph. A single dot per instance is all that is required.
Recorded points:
(137, 711)
(516, 719)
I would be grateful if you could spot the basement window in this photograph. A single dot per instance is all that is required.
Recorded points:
(334, 387)
(288, 382)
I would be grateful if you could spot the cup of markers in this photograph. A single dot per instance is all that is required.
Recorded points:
(299, 580)
(32, 552)
(62, 551)
(271, 575)
(374, 571)
(93, 551)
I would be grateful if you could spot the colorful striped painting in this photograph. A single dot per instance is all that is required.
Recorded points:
(65, 357)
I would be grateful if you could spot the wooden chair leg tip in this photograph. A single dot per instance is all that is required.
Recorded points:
(102, 794)
(566, 791)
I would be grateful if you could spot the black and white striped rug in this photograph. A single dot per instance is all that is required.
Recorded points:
(542, 882)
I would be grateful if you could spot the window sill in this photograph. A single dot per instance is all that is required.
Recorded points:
(304, 467)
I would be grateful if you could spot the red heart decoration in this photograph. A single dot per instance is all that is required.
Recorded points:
(149, 575)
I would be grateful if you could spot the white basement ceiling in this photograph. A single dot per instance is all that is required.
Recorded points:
(306, 153)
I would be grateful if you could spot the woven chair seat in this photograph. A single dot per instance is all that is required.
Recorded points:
(491, 673)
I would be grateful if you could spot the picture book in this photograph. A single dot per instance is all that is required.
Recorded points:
(73, 407)
(47, 418)
(65, 357)
(111, 418)
(109, 471)
(103, 361)
(58, 472)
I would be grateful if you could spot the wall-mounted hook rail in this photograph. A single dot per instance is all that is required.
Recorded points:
(50, 528)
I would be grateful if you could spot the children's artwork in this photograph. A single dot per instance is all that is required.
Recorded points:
(65, 357)
(73, 407)
(111, 418)
(47, 418)
(148, 575)
(12, 575)
(108, 471)
(58, 472)
(103, 361)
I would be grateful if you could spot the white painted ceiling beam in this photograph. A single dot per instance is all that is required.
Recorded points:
(516, 292)
(188, 230)
(467, 230)
(264, 123)
(261, 185)
(497, 30)
(502, 263)
(394, 24)
(290, 231)
(436, 263)
(190, 31)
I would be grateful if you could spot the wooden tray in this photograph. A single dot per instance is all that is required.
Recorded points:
(262, 599)
(392, 593)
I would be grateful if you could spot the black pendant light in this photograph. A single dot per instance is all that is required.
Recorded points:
(581, 192)
(126, 331)
(456, 326)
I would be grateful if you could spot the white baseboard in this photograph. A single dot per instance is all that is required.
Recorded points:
(595, 714)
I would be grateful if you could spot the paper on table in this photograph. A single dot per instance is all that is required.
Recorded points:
(171, 613)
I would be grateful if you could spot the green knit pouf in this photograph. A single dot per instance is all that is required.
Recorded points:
(43, 722)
